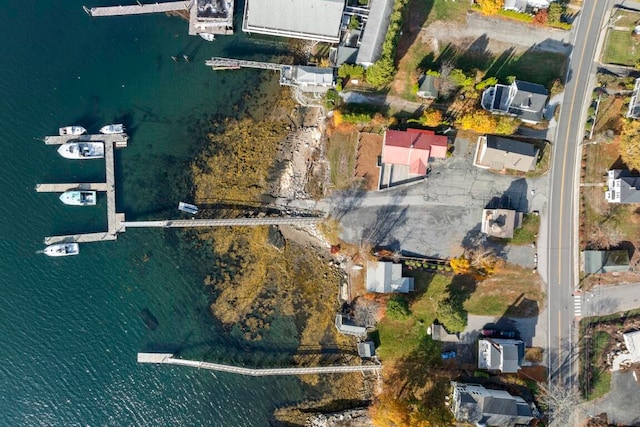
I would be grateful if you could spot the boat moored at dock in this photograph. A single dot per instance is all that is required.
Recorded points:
(82, 150)
(62, 249)
(78, 198)
(112, 129)
(71, 130)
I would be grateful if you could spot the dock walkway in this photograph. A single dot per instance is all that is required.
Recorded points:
(138, 9)
(168, 359)
(62, 187)
(183, 223)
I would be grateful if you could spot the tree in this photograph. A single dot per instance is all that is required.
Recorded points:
(389, 411)
(381, 72)
(506, 125)
(559, 400)
(351, 71)
(431, 117)
(398, 308)
(554, 13)
(452, 315)
(459, 78)
(541, 17)
(460, 265)
(490, 7)
(478, 121)
(630, 144)
(489, 81)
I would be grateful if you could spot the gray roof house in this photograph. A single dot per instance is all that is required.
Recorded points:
(347, 327)
(366, 349)
(504, 355)
(474, 404)
(622, 187)
(440, 333)
(307, 79)
(497, 152)
(500, 222)
(317, 20)
(634, 105)
(375, 31)
(522, 5)
(523, 100)
(386, 277)
(427, 89)
(605, 261)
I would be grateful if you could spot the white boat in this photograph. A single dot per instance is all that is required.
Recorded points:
(207, 36)
(62, 249)
(78, 198)
(112, 128)
(72, 130)
(82, 150)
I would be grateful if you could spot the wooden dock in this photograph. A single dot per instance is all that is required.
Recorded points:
(114, 219)
(168, 359)
(61, 188)
(139, 8)
(250, 222)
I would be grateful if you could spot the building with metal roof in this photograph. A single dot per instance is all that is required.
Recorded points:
(317, 20)
(634, 105)
(605, 261)
(347, 327)
(375, 31)
(498, 153)
(386, 277)
(307, 79)
(474, 404)
(622, 187)
(504, 355)
(366, 349)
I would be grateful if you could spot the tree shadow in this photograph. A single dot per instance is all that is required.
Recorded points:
(415, 14)
(387, 218)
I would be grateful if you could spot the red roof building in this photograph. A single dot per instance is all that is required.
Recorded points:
(413, 148)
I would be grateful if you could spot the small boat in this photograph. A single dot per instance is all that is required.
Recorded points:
(188, 208)
(72, 130)
(78, 198)
(82, 150)
(207, 36)
(62, 249)
(112, 128)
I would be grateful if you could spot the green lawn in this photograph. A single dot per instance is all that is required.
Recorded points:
(625, 18)
(528, 232)
(399, 338)
(600, 378)
(447, 10)
(342, 158)
(621, 48)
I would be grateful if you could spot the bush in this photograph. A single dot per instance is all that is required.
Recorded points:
(358, 113)
(332, 99)
(398, 308)
(490, 81)
(507, 125)
(517, 16)
(452, 315)
(381, 72)
(348, 71)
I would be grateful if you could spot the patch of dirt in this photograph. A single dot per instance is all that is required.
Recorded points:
(614, 329)
(369, 149)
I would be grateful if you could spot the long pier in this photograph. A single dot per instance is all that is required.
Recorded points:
(184, 223)
(138, 9)
(168, 359)
(114, 219)
(218, 63)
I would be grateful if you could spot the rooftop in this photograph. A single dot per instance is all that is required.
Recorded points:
(375, 31)
(605, 261)
(497, 152)
(500, 222)
(386, 277)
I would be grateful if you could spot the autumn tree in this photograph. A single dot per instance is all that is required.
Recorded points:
(460, 265)
(506, 125)
(490, 7)
(479, 121)
(389, 411)
(431, 117)
(541, 17)
(630, 144)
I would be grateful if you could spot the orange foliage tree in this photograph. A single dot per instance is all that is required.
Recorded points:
(478, 121)
(389, 411)
(490, 7)
(431, 117)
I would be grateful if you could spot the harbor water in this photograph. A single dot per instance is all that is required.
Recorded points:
(71, 327)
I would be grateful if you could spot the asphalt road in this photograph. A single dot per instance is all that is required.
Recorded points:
(562, 238)
(603, 300)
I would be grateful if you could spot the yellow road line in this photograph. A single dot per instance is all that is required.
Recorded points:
(564, 164)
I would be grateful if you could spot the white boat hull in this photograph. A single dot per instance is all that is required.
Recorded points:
(82, 150)
(112, 129)
(78, 198)
(207, 36)
(62, 249)
(71, 130)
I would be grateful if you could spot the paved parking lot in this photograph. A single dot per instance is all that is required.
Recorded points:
(621, 403)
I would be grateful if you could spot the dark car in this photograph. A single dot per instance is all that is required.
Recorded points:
(498, 333)
(448, 354)
(490, 332)
(507, 334)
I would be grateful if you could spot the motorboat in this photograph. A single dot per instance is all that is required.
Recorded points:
(78, 198)
(112, 128)
(207, 36)
(72, 130)
(62, 249)
(82, 150)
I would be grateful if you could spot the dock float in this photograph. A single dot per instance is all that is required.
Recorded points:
(168, 359)
(61, 188)
(138, 9)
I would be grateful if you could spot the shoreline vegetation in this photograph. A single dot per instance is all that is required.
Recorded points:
(260, 276)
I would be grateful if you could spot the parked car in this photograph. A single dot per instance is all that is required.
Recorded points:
(489, 332)
(507, 334)
(496, 333)
(448, 354)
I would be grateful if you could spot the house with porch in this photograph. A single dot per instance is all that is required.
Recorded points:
(474, 404)
(622, 187)
(502, 355)
(523, 100)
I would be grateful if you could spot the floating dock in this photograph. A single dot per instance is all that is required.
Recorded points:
(168, 359)
(138, 9)
(114, 219)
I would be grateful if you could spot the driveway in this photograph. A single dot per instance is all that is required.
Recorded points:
(533, 330)
(603, 300)
(620, 404)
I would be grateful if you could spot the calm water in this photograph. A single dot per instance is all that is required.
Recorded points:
(71, 327)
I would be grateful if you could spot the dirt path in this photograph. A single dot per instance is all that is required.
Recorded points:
(394, 102)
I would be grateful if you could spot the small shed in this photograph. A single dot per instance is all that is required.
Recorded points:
(606, 261)
(427, 89)
(366, 349)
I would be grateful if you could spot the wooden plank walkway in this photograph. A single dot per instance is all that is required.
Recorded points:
(62, 187)
(138, 9)
(168, 359)
(183, 223)
(118, 140)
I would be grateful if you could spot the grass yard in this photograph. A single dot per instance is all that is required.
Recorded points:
(610, 114)
(448, 10)
(621, 48)
(513, 292)
(596, 380)
(527, 234)
(342, 156)
(399, 338)
(625, 18)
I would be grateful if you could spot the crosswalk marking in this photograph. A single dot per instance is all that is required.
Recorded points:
(577, 309)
